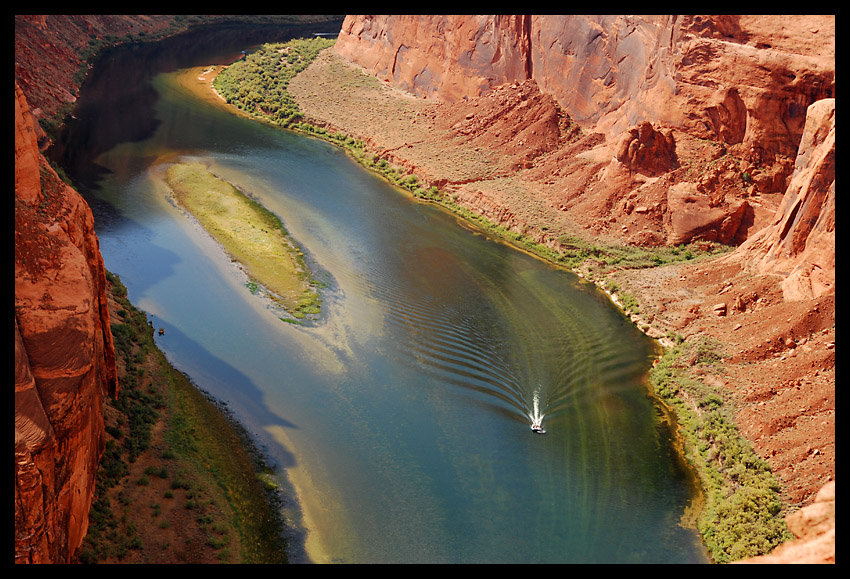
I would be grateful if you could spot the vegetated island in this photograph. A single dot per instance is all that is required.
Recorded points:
(250, 234)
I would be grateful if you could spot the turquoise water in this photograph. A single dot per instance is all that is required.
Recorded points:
(400, 418)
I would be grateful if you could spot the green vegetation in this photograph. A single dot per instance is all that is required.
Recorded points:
(257, 83)
(250, 233)
(742, 517)
(204, 453)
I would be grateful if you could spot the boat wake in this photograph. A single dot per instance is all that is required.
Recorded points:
(535, 415)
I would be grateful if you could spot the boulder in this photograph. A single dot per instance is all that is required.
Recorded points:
(645, 149)
(692, 215)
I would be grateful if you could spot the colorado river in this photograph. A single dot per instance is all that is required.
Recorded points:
(400, 418)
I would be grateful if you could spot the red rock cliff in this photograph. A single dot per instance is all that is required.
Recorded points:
(739, 78)
(694, 89)
(64, 356)
(799, 244)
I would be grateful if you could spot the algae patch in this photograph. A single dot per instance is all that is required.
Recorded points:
(249, 233)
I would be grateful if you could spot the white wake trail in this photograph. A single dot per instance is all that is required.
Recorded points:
(535, 415)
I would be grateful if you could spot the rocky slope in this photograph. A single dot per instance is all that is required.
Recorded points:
(649, 131)
(731, 92)
(50, 49)
(64, 356)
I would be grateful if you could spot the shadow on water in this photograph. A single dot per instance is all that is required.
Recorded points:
(117, 99)
(132, 240)
(250, 412)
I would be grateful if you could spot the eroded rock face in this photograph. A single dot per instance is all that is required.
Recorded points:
(717, 75)
(644, 149)
(774, 85)
(800, 243)
(27, 180)
(64, 356)
(430, 55)
(727, 114)
(592, 65)
(609, 71)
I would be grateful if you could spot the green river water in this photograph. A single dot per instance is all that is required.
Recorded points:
(400, 418)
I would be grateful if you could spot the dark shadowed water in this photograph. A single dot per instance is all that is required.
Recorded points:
(401, 418)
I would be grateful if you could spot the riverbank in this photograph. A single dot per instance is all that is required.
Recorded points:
(180, 482)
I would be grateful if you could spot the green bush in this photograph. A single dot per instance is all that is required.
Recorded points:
(743, 513)
(257, 83)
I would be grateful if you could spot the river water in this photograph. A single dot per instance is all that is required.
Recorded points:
(400, 418)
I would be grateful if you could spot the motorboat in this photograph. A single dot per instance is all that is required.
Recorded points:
(538, 428)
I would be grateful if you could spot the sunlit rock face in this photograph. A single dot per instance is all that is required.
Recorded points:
(734, 78)
(743, 83)
(800, 243)
(64, 356)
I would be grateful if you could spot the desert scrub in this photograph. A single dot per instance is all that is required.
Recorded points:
(629, 303)
(743, 512)
(249, 233)
(635, 257)
(257, 83)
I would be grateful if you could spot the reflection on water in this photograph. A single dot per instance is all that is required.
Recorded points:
(401, 419)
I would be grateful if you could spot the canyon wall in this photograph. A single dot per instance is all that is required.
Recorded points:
(64, 355)
(434, 55)
(729, 95)
(699, 118)
(731, 78)
(800, 242)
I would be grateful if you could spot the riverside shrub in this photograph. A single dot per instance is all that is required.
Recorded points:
(743, 513)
